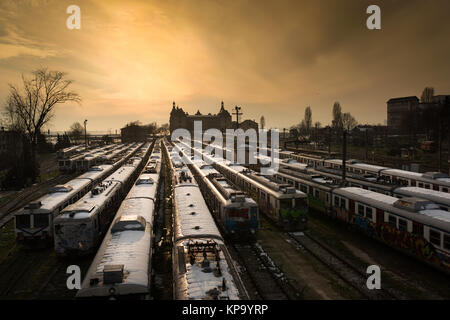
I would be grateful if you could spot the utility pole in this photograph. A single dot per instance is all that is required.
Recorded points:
(237, 113)
(344, 154)
(365, 157)
(329, 140)
(85, 133)
(439, 145)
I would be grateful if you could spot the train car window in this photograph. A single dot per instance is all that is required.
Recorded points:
(336, 201)
(402, 224)
(369, 213)
(427, 186)
(361, 209)
(447, 241)
(316, 193)
(40, 220)
(303, 188)
(443, 208)
(328, 198)
(23, 221)
(343, 203)
(420, 185)
(435, 237)
(392, 221)
(444, 189)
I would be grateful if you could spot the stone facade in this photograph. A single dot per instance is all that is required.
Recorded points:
(179, 119)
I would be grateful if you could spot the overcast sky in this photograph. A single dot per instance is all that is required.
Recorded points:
(131, 59)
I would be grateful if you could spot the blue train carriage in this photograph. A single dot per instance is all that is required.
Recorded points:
(413, 225)
(202, 267)
(236, 213)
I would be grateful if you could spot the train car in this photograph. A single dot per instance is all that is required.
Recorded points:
(440, 198)
(202, 267)
(282, 203)
(121, 268)
(236, 213)
(429, 180)
(35, 220)
(80, 226)
(415, 226)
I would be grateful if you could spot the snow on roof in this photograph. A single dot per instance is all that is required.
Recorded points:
(132, 249)
(203, 284)
(121, 174)
(51, 201)
(90, 203)
(192, 216)
(137, 206)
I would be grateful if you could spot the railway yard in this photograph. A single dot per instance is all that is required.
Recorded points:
(150, 221)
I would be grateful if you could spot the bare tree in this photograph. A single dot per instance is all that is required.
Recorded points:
(262, 122)
(308, 119)
(348, 121)
(76, 131)
(427, 95)
(337, 116)
(32, 106)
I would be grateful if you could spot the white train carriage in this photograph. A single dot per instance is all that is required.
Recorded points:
(202, 269)
(80, 226)
(122, 265)
(413, 225)
(440, 198)
(429, 180)
(35, 220)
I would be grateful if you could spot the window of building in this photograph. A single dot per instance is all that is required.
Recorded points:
(435, 237)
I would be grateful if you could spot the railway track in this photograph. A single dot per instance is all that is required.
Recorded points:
(341, 267)
(265, 277)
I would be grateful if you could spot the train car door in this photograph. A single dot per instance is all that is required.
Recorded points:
(417, 228)
(380, 217)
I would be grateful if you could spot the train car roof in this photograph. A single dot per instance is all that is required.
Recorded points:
(416, 176)
(433, 195)
(121, 174)
(89, 203)
(138, 206)
(53, 199)
(145, 186)
(130, 249)
(193, 218)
